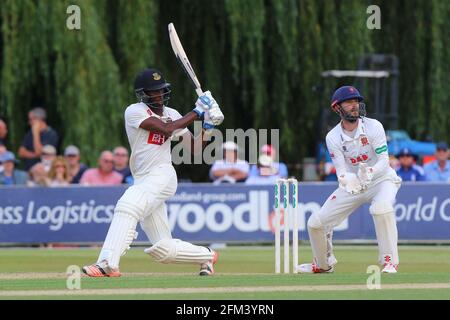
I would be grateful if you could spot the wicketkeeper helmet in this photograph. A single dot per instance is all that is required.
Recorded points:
(345, 93)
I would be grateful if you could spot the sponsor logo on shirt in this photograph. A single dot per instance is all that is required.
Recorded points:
(359, 158)
(381, 149)
(156, 138)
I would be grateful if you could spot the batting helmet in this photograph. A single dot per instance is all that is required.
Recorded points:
(345, 93)
(151, 80)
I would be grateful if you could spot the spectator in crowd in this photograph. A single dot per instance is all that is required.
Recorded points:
(104, 174)
(2, 148)
(393, 162)
(121, 163)
(76, 168)
(38, 176)
(329, 169)
(40, 135)
(268, 172)
(439, 169)
(409, 170)
(59, 173)
(2, 151)
(280, 167)
(10, 175)
(3, 132)
(230, 169)
(47, 156)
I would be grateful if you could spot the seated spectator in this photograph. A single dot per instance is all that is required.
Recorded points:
(121, 163)
(2, 151)
(10, 175)
(76, 168)
(3, 148)
(38, 176)
(47, 156)
(394, 163)
(230, 169)
(269, 150)
(3, 132)
(329, 170)
(59, 173)
(408, 170)
(104, 174)
(268, 173)
(439, 170)
(39, 135)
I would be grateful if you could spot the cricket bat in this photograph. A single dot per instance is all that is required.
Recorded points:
(177, 48)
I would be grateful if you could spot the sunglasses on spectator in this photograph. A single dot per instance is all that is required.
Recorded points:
(107, 161)
(71, 155)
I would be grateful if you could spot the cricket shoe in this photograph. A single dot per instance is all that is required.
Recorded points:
(389, 267)
(101, 269)
(207, 268)
(313, 268)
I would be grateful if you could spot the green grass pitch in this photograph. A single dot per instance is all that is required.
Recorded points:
(241, 273)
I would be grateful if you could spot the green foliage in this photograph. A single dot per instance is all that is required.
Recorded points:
(260, 58)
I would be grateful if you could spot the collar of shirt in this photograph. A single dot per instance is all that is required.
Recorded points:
(360, 130)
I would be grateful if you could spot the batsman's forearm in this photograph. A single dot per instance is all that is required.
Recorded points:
(169, 128)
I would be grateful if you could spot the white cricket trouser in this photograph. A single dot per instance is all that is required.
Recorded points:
(159, 185)
(340, 204)
(144, 201)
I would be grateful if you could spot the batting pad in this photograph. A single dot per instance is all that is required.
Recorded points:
(319, 242)
(386, 231)
(156, 224)
(178, 251)
(121, 234)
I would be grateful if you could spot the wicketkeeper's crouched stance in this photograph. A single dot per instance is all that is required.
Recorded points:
(358, 148)
(150, 126)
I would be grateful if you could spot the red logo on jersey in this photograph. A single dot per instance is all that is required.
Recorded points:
(360, 158)
(364, 141)
(156, 138)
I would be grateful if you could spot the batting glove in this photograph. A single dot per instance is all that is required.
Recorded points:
(204, 103)
(207, 104)
(216, 115)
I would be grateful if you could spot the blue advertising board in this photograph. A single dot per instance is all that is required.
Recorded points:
(209, 213)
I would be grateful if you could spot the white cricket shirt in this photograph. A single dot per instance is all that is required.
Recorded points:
(368, 145)
(149, 149)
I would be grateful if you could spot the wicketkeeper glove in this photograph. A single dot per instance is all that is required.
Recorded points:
(350, 183)
(365, 174)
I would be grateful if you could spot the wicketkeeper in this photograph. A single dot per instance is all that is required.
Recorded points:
(357, 146)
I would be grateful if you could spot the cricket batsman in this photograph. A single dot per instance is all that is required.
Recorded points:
(357, 146)
(150, 125)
